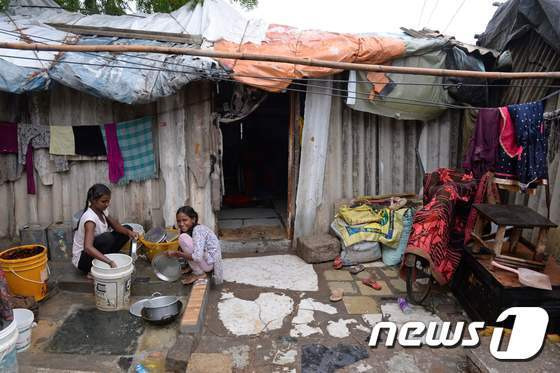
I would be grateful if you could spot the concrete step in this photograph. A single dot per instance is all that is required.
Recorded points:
(144, 281)
(33, 361)
(255, 246)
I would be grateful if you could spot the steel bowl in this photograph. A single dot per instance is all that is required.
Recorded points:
(156, 234)
(166, 268)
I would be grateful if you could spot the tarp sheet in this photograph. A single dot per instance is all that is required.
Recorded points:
(213, 20)
(416, 97)
(140, 78)
(515, 17)
(127, 77)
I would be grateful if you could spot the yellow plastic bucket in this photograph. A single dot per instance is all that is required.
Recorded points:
(27, 276)
(153, 248)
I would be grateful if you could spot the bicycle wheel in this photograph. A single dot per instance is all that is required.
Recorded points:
(418, 280)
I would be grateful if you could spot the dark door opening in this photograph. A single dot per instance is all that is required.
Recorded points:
(255, 167)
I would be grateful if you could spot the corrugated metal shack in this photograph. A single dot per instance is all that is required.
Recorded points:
(528, 37)
(344, 152)
(362, 153)
(59, 195)
(368, 155)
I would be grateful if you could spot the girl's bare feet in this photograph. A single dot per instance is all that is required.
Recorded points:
(192, 278)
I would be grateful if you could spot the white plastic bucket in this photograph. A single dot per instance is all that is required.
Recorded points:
(112, 285)
(8, 338)
(24, 319)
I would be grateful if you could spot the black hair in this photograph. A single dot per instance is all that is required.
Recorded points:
(96, 191)
(189, 211)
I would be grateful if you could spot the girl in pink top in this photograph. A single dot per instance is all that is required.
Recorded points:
(199, 246)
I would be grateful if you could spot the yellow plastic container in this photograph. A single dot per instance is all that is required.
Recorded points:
(152, 248)
(27, 276)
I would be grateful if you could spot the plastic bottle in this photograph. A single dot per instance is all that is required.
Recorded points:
(404, 306)
(139, 368)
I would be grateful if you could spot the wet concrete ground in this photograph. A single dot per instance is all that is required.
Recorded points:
(278, 350)
(276, 345)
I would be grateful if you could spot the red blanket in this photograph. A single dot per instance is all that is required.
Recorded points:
(438, 228)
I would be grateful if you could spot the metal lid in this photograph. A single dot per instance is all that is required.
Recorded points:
(136, 308)
(156, 234)
(166, 268)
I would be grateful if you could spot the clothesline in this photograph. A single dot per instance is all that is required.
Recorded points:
(127, 145)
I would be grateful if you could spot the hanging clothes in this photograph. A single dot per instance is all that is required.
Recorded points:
(31, 137)
(88, 141)
(10, 168)
(137, 149)
(62, 141)
(114, 155)
(481, 156)
(529, 166)
(29, 170)
(508, 140)
(8, 137)
(38, 136)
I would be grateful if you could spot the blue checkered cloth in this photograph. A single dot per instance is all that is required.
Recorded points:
(137, 149)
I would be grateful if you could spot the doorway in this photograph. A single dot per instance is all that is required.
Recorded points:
(255, 169)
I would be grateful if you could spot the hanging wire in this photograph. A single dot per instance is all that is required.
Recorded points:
(459, 84)
(198, 72)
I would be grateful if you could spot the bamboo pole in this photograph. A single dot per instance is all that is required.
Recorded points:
(280, 59)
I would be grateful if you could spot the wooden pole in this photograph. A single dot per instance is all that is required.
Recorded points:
(279, 59)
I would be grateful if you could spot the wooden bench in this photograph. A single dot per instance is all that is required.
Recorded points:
(518, 218)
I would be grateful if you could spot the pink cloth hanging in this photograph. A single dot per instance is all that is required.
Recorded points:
(114, 156)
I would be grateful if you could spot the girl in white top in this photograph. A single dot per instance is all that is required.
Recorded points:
(98, 234)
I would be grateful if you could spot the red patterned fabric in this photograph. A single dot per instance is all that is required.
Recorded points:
(6, 312)
(481, 192)
(438, 228)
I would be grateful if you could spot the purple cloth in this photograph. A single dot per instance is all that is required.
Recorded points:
(481, 155)
(8, 138)
(29, 170)
(114, 155)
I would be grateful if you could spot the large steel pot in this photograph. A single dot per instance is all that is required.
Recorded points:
(162, 309)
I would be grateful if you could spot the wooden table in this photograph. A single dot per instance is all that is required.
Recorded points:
(518, 218)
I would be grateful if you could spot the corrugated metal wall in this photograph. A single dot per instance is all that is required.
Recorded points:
(147, 203)
(370, 154)
(532, 53)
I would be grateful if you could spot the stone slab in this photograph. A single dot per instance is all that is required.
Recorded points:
(367, 290)
(255, 246)
(247, 213)
(178, 356)
(390, 272)
(91, 331)
(262, 222)
(347, 286)
(481, 360)
(399, 285)
(337, 275)
(360, 305)
(210, 363)
(318, 248)
(363, 274)
(230, 223)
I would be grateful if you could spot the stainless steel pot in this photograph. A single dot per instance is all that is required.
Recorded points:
(161, 309)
